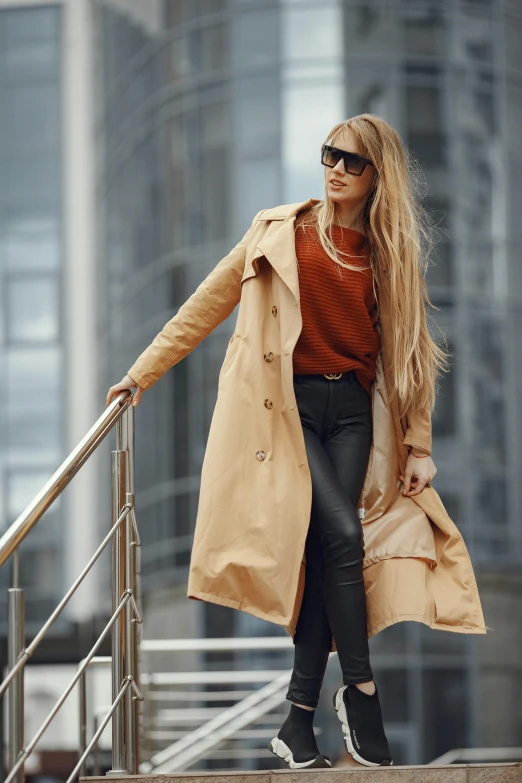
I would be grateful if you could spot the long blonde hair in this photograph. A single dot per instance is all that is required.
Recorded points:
(401, 236)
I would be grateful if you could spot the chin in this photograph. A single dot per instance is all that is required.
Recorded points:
(336, 198)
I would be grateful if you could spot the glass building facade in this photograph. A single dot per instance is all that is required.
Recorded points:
(212, 110)
(31, 330)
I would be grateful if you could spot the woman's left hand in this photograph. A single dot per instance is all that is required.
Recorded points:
(419, 471)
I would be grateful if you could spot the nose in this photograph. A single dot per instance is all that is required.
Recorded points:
(339, 167)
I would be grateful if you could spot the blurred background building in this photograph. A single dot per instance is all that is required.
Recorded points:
(138, 139)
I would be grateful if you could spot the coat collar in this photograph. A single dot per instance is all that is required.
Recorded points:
(287, 210)
(278, 243)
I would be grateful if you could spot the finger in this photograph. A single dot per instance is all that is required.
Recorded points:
(407, 482)
(420, 485)
(113, 392)
(110, 395)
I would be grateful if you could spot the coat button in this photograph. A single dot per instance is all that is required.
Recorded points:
(274, 310)
(260, 455)
(268, 356)
(268, 403)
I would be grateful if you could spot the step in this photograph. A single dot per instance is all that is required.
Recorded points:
(509, 772)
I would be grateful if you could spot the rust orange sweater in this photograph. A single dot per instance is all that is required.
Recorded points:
(339, 312)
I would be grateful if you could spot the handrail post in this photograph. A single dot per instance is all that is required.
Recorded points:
(16, 643)
(82, 704)
(131, 635)
(119, 629)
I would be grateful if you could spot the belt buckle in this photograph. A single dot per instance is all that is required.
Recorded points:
(332, 376)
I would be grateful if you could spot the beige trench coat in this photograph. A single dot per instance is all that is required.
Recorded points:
(255, 496)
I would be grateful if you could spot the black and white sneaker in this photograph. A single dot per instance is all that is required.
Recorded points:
(295, 742)
(308, 761)
(361, 718)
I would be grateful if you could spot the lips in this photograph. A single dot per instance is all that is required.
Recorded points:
(336, 182)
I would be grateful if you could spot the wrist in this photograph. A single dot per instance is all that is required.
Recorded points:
(417, 451)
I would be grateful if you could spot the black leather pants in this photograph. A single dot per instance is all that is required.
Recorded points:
(337, 423)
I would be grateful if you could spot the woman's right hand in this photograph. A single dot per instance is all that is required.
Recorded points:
(125, 383)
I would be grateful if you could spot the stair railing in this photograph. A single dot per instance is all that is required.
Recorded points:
(215, 728)
(126, 598)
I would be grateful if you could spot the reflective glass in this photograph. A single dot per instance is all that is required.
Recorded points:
(475, 35)
(27, 23)
(255, 39)
(312, 33)
(257, 187)
(489, 421)
(369, 29)
(32, 60)
(303, 134)
(31, 240)
(444, 418)
(32, 309)
(425, 31)
(445, 713)
(34, 404)
(34, 177)
(30, 118)
(22, 486)
(257, 115)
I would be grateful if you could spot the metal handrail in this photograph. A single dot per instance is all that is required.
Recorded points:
(26, 653)
(125, 619)
(25, 522)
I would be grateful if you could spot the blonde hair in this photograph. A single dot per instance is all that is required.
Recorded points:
(401, 236)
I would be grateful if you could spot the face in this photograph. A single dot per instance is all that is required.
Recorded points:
(341, 187)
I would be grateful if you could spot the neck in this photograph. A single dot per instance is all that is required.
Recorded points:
(349, 216)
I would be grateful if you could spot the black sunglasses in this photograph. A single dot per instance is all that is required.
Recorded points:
(353, 163)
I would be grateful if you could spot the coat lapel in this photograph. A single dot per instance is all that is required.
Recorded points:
(278, 245)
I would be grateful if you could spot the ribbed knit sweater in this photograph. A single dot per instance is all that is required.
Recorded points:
(338, 307)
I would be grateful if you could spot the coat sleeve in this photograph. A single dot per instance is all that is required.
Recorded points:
(213, 301)
(418, 431)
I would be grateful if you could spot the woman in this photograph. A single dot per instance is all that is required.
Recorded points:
(332, 297)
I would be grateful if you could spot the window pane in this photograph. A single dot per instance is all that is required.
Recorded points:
(34, 178)
(258, 187)
(34, 404)
(308, 112)
(22, 488)
(31, 241)
(31, 23)
(425, 32)
(257, 116)
(33, 60)
(32, 306)
(445, 699)
(256, 39)
(312, 33)
(34, 117)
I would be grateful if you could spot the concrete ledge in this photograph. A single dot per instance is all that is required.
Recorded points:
(510, 772)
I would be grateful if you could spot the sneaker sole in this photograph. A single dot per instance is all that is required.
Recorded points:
(280, 749)
(340, 708)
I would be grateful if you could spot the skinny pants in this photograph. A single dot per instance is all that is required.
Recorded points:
(336, 416)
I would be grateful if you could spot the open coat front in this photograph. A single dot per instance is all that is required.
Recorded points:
(255, 498)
